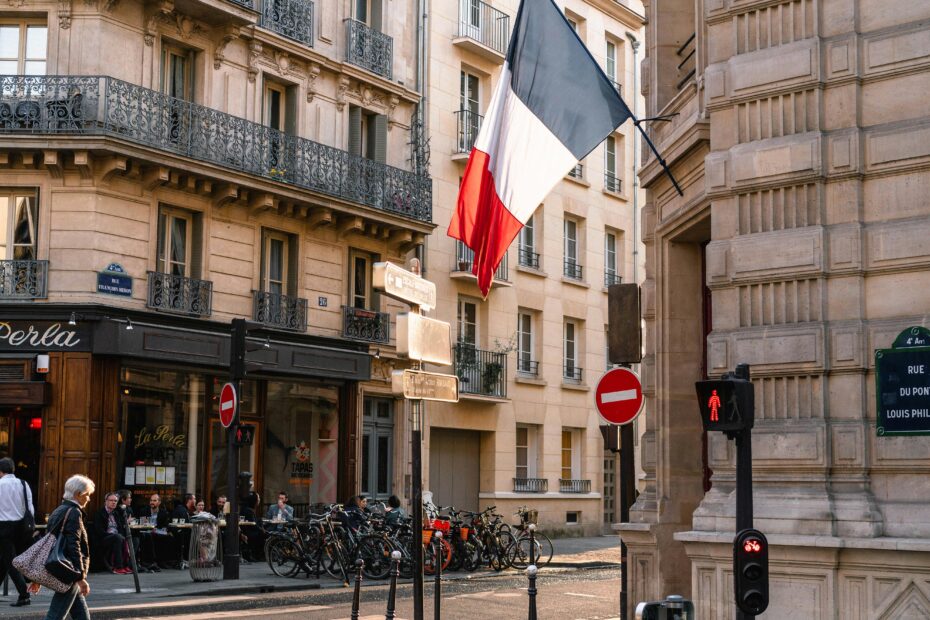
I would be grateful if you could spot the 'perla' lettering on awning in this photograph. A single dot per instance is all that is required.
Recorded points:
(53, 336)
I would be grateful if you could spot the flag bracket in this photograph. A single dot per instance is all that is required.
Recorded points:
(664, 118)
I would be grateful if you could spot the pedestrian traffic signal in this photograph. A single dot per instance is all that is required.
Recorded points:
(245, 434)
(751, 571)
(726, 404)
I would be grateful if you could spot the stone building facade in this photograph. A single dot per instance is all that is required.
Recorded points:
(799, 247)
(168, 166)
(525, 431)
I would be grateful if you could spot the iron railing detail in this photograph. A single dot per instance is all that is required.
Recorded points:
(577, 172)
(485, 24)
(574, 486)
(526, 366)
(180, 295)
(572, 373)
(92, 105)
(530, 485)
(465, 260)
(366, 325)
(686, 65)
(290, 18)
(369, 49)
(280, 311)
(249, 4)
(468, 125)
(528, 258)
(23, 279)
(612, 277)
(571, 269)
(480, 372)
(612, 182)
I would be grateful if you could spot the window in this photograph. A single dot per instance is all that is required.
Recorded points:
(611, 180)
(468, 322)
(572, 23)
(368, 134)
(572, 268)
(611, 274)
(469, 111)
(23, 48)
(369, 12)
(610, 67)
(177, 72)
(527, 244)
(572, 517)
(278, 262)
(175, 238)
(570, 352)
(525, 345)
(377, 447)
(526, 452)
(571, 454)
(19, 216)
(361, 295)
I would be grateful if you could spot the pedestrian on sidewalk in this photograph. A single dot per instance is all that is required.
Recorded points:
(15, 500)
(78, 490)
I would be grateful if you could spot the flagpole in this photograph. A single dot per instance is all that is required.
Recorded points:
(636, 122)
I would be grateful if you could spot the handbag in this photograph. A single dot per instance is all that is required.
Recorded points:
(28, 522)
(57, 563)
(32, 562)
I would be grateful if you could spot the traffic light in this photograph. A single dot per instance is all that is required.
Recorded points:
(245, 435)
(751, 571)
(726, 404)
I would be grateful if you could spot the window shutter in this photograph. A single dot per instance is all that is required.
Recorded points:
(376, 15)
(355, 130)
(378, 137)
(293, 265)
(290, 111)
(196, 260)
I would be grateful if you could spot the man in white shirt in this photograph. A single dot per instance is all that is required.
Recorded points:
(15, 499)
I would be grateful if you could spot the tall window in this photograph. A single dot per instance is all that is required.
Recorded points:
(19, 216)
(611, 180)
(469, 111)
(527, 244)
(572, 267)
(611, 61)
(367, 134)
(468, 322)
(571, 454)
(23, 48)
(572, 23)
(361, 295)
(570, 350)
(610, 259)
(177, 72)
(377, 447)
(525, 345)
(175, 237)
(526, 451)
(369, 12)
(275, 262)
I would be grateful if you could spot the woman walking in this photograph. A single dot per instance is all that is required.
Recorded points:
(78, 490)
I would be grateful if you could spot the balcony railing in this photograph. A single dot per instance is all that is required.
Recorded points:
(571, 269)
(528, 258)
(290, 18)
(617, 86)
(686, 62)
(249, 4)
(612, 182)
(366, 325)
(180, 295)
(23, 279)
(468, 125)
(281, 311)
(572, 373)
(577, 172)
(369, 49)
(526, 366)
(612, 277)
(574, 486)
(92, 105)
(465, 259)
(481, 372)
(530, 485)
(485, 24)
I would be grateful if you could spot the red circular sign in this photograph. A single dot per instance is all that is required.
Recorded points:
(619, 396)
(227, 404)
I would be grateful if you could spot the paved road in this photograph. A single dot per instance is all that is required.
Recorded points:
(568, 595)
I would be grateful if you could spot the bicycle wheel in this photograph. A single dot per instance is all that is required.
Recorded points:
(376, 553)
(518, 554)
(544, 548)
(333, 562)
(504, 541)
(429, 556)
(284, 557)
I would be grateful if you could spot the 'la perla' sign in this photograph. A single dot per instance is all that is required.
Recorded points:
(42, 336)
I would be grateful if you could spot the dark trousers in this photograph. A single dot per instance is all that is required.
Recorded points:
(71, 602)
(114, 543)
(10, 545)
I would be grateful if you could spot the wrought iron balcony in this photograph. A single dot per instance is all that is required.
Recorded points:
(530, 485)
(465, 260)
(577, 172)
(179, 295)
(571, 269)
(468, 125)
(686, 64)
(23, 279)
(526, 366)
(366, 325)
(92, 105)
(574, 486)
(281, 311)
(485, 24)
(612, 182)
(290, 18)
(612, 277)
(528, 258)
(480, 372)
(369, 49)
(572, 373)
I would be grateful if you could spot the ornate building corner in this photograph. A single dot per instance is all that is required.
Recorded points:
(313, 72)
(231, 33)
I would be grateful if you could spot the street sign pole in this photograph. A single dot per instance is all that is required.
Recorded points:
(236, 370)
(416, 437)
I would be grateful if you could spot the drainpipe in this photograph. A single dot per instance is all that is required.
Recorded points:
(635, 45)
(422, 34)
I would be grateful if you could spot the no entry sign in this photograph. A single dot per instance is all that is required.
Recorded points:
(227, 404)
(619, 396)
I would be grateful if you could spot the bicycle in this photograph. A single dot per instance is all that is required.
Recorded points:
(521, 553)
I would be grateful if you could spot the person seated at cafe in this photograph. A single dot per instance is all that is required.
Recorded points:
(109, 526)
(356, 511)
(280, 511)
(219, 507)
(249, 506)
(125, 502)
(158, 547)
(185, 511)
(394, 515)
(200, 508)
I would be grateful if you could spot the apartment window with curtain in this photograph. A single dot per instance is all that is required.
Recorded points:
(279, 262)
(526, 345)
(176, 242)
(19, 217)
(177, 76)
(526, 452)
(611, 180)
(469, 114)
(23, 47)
(572, 267)
(467, 322)
(571, 354)
(529, 257)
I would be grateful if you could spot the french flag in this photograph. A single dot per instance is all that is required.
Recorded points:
(552, 106)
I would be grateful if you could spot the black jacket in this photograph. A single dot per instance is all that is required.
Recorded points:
(102, 519)
(180, 512)
(161, 516)
(76, 546)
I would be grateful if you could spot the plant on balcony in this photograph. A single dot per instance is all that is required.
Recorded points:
(278, 173)
(492, 373)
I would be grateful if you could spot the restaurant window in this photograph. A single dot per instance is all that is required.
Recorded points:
(23, 47)
(300, 443)
(377, 447)
(180, 235)
(19, 217)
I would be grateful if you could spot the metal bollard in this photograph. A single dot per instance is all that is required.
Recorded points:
(392, 593)
(437, 590)
(533, 557)
(531, 591)
(359, 565)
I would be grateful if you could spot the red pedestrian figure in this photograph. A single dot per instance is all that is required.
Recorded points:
(714, 404)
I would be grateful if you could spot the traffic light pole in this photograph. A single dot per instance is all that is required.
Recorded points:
(627, 474)
(236, 372)
(743, 480)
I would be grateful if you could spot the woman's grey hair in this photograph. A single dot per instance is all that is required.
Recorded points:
(76, 485)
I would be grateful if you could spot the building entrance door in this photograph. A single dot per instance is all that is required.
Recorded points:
(21, 440)
(454, 458)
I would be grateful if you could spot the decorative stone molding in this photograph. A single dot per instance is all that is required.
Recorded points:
(231, 33)
(313, 72)
(341, 91)
(151, 31)
(283, 60)
(393, 100)
(64, 12)
(255, 52)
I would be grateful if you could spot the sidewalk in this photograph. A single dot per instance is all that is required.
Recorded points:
(173, 591)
